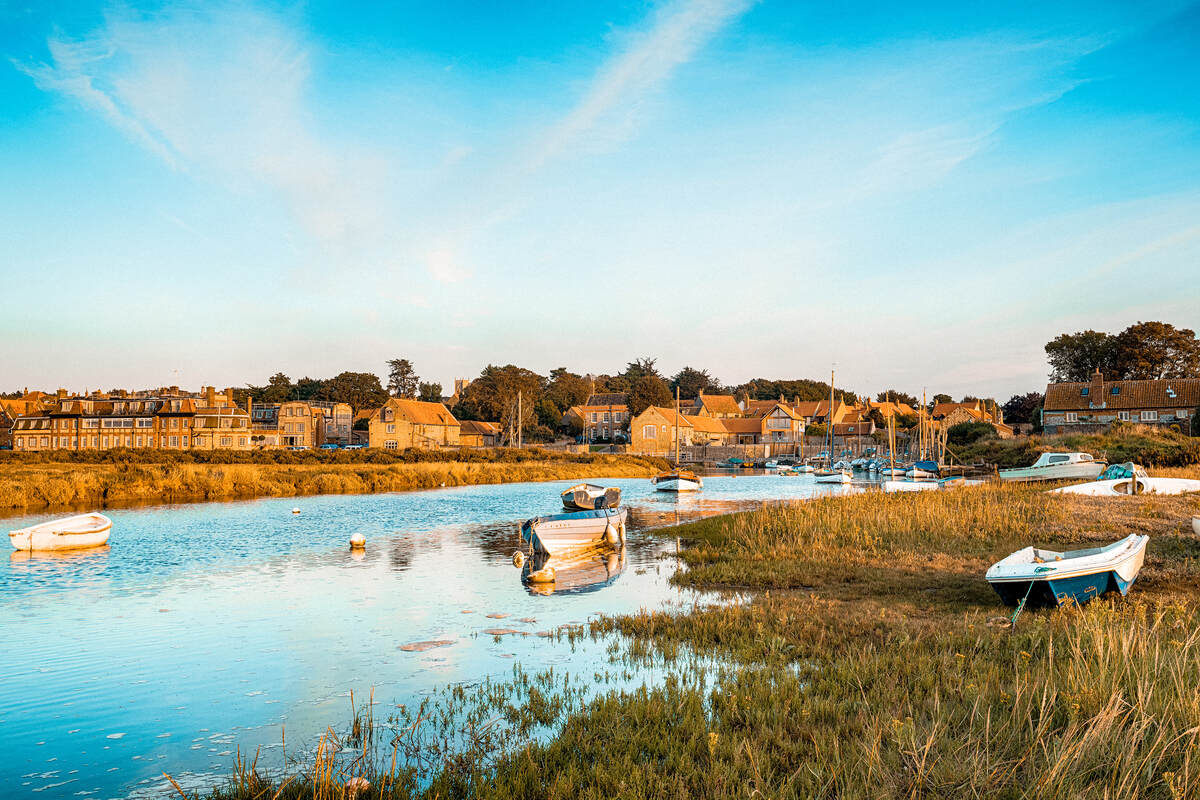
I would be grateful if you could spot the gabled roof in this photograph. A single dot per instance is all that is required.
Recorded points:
(1131, 395)
(608, 399)
(743, 424)
(420, 412)
(719, 404)
(479, 428)
(712, 424)
(669, 415)
(942, 409)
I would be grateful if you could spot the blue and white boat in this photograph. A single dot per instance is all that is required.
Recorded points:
(1048, 577)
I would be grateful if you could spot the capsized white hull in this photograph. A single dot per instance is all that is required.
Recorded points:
(72, 533)
(838, 476)
(1122, 487)
(560, 533)
(677, 485)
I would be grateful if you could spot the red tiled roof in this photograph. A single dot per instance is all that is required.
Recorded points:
(420, 412)
(719, 404)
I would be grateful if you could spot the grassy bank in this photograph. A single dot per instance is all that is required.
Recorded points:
(55, 485)
(874, 661)
(1151, 447)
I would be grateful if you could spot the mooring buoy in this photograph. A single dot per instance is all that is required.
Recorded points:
(518, 559)
(295, 510)
(358, 542)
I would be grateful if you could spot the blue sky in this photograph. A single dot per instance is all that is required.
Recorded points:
(213, 192)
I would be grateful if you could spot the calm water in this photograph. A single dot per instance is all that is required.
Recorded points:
(205, 627)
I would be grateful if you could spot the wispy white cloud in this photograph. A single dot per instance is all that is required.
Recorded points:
(605, 112)
(219, 91)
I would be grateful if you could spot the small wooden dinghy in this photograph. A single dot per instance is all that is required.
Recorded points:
(559, 533)
(72, 533)
(589, 497)
(1047, 577)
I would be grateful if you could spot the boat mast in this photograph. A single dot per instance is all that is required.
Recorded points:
(829, 420)
(676, 427)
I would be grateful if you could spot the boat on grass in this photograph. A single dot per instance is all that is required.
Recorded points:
(1056, 467)
(590, 496)
(576, 530)
(1129, 478)
(1048, 577)
(72, 533)
(924, 485)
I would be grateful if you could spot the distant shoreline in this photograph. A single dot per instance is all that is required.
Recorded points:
(55, 486)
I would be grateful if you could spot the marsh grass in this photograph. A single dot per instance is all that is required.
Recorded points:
(870, 665)
(55, 485)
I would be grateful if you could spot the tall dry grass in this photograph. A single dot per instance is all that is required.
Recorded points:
(54, 486)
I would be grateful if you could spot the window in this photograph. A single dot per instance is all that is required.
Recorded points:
(241, 441)
(145, 422)
(104, 441)
(1071, 416)
(226, 441)
(606, 418)
(390, 444)
(139, 441)
(1084, 391)
(299, 427)
(1116, 390)
(391, 428)
(594, 415)
(185, 444)
(1149, 416)
(174, 440)
(1123, 416)
(45, 441)
(1058, 459)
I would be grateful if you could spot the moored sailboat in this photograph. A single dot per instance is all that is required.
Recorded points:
(677, 480)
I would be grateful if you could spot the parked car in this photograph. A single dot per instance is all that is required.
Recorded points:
(330, 447)
(355, 447)
(298, 447)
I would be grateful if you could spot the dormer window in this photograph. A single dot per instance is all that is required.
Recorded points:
(1084, 391)
(1116, 390)
(1170, 392)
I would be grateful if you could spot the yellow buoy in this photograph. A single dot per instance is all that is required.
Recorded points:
(518, 558)
(358, 542)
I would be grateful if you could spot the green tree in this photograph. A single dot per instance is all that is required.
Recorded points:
(430, 392)
(494, 396)
(1021, 408)
(896, 396)
(691, 382)
(1074, 356)
(649, 390)
(1153, 350)
(362, 390)
(277, 390)
(567, 389)
(965, 433)
(939, 398)
(402, 378)
(308, 389)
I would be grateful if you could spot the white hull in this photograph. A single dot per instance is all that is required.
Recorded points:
(561, 533)
(677, 485)
(909, 486)
(1122, 487)
(1030, 564)
(1082, 471)
(73, 533)
(836, 477)
(920, 474)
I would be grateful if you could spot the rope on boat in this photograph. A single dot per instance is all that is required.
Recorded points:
(1021, 605)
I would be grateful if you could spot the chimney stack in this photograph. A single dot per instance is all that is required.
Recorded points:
(61, 393)
(229, 395)
(210, 396)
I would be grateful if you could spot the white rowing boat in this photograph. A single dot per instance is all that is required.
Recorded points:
(590, 496)
(559, 533)
(1048, 577)
(72, 533)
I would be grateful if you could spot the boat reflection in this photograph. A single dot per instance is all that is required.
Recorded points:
(30, 558)
(587, 571)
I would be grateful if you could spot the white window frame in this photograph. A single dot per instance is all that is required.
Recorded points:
(1148, 416)
(1071, 416)
(1123, 416)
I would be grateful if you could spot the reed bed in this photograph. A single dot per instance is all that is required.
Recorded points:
(875, 662)
(55, 486)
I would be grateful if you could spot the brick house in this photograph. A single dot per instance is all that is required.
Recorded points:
(718, 406)
(653, 431)
(1083, 407)
(401, 424)
(947, 415)
(164, 419)
(296, 423)
(601, 417)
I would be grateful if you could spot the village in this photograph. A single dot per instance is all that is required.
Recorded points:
(706, 428)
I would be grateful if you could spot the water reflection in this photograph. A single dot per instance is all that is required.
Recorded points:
(587, 571)
(201, 628)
